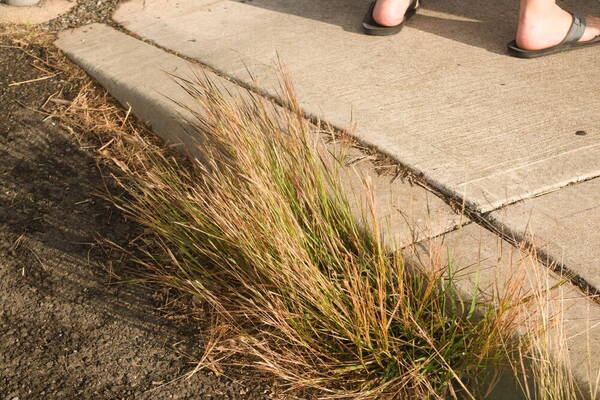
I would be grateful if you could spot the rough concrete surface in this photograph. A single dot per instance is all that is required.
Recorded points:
(136, 74)
(565, 225)
(42, 12)
(442, 97)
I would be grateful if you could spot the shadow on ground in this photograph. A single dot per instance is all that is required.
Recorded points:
(68, 331)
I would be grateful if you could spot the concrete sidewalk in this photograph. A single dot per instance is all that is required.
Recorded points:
(443, 97)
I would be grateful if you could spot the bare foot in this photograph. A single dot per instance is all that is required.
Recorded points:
(540, 28)
(390, 12)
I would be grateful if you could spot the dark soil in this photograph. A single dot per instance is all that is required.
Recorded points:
(68, 330)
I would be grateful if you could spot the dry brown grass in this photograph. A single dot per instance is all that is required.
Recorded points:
(543, 366)
(262, 232)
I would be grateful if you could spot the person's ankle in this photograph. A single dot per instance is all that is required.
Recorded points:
(390, 12)
(541, 28)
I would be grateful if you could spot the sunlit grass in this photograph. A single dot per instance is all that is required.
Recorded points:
(262, 232)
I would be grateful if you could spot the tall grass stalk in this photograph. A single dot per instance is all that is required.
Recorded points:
(260, 230)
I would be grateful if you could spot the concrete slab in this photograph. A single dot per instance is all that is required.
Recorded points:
(442, 97)
(565, 225)
(135, 73)
(489, 263)
(37, 14)
(405, 213)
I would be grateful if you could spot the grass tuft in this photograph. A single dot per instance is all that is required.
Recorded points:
(261, 231)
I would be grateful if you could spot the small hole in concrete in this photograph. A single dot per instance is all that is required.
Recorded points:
(581, 133)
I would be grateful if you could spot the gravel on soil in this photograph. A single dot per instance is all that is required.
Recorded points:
(85, 12)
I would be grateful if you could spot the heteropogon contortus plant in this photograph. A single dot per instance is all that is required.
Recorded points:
(260, 230)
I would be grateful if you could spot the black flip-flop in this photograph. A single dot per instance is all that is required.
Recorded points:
(570, 42)
(371, 27)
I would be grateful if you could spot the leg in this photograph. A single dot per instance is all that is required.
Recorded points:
(390, 12)
(543, 24)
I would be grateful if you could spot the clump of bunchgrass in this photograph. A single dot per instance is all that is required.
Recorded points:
(256, 225)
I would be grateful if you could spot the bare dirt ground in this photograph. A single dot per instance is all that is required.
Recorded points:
(69, 330)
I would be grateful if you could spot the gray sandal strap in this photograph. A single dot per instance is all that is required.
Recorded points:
(577, 30)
